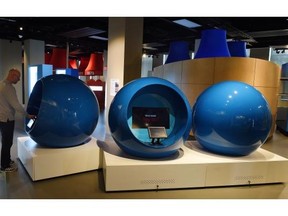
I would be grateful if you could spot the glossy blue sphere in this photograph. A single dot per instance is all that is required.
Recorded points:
(67, 111)
(145, 95)
(231, 118)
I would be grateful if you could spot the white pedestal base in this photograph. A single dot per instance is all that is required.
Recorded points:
(43, 163)
(191, 168)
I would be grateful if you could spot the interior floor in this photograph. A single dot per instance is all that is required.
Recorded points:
(90, 185)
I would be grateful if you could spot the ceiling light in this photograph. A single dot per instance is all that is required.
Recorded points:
(153, 44)
(186, 23)
(50, 45)
(8, 20)
(150, 48)
(270, 33)
(98, 38)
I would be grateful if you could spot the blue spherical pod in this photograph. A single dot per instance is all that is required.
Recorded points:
(231, 118)
(147, 102)
(67, 111)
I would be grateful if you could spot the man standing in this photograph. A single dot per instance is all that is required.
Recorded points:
(9, 105)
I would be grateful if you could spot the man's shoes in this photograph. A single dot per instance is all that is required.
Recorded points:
(9, 169)
(12, 167)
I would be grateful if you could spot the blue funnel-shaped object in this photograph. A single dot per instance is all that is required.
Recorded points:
(284, 70)
(178, 51)
(213, 44)
(237, 48)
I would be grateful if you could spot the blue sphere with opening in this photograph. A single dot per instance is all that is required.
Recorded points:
(231, 118)
(67, 111)
(147, 103)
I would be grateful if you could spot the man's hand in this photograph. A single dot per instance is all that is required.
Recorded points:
(31, 116)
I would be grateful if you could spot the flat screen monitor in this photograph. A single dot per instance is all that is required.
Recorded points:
(60, 71)
(144, 117)
(30, 123)
(157, 132)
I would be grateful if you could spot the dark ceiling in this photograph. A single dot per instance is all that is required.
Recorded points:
(158, 31)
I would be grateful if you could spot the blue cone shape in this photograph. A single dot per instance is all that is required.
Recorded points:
(237, 48)
(213, 44)
(178, 51)
(231, 118)
(148, 102)
(67, 111)
(284, 70)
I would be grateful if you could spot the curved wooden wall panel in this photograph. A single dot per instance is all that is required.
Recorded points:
(194, 76)
(240, 69)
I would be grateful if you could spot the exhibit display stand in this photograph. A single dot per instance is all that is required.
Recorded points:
(191, 167)
(43, 163)
(149, 116)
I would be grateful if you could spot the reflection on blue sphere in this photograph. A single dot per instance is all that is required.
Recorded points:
(231, 118)
(67, 111)
(145, 102)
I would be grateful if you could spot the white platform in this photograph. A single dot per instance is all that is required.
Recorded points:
(191, 167)
(44, 163)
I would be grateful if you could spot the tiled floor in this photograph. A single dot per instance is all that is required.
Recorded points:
(91, 184)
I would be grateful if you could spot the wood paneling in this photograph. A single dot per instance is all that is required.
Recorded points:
(194, 76)
(240, 69)
(266, 74)
(172, 72)
(158, 72)
(198, 71)
(192, 91)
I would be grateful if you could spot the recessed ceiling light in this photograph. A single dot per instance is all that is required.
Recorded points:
(98, 37)
(50, 45)
(186, 23)
(153, 44)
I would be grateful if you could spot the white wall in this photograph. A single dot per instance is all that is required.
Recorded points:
(146, 67)
(34, 54)
(11, 57)
(261, 53)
